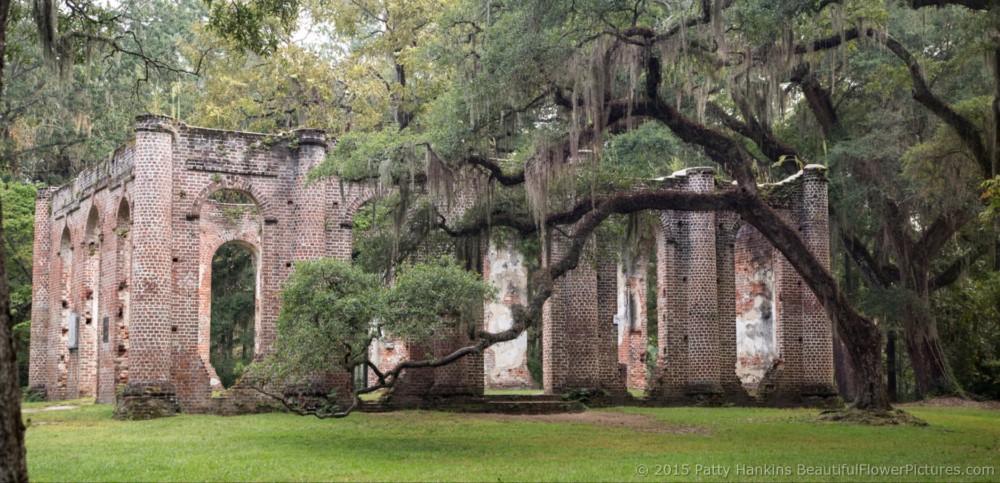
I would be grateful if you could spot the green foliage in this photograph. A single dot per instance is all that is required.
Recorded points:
(94, 93)
(944, 174)
(428, 297)
(331, 310)
(645, 152)
(327, 311)
(19, 232)
(257, 25)
(991, 195)
(969, 312)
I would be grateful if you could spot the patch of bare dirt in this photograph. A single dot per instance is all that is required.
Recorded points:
(954, 402)
(635, 422)
(50, 408)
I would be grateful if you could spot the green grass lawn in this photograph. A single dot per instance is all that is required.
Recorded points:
(86, 444)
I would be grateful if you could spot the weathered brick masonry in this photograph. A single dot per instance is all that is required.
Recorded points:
(122, 296)
(123, 257)
(781, 347)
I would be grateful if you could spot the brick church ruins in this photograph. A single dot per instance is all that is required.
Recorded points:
(122, 284)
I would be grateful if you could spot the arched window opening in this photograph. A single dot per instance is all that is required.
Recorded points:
(234, 290)
(234, 204)
(67, 325)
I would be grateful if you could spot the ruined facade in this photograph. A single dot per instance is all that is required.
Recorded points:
(122, 296)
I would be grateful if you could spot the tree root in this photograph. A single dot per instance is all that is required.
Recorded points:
(871, 417)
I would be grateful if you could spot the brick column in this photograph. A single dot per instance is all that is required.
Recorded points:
(611, 375)
(781, 385)
(700, 279)
(671, 360)
(725, 240)
(817, 335)
(463, 377)
(574, 354)
(306, 228)
(310, 208)
(40, 292)
(555, 347)
(150, 392)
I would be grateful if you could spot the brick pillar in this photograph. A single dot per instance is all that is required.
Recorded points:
(309, 209)
(725, 240)
(555, 351)
(671, 303)
(611, 375)
(307, 227)
(817, 335)
(575, 352)
(40, 292)
(150, 392)
(463, 377)
(781, 385)
(700, 279)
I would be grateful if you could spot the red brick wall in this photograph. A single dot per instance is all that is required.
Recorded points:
(706, 269)
(148, 270)
(146, 264)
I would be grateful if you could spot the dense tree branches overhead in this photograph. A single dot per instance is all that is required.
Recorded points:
(539, 99)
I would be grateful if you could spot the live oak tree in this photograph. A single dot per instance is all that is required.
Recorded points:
(527, 92)
(67, 34)
(910, 134)
(332, 311)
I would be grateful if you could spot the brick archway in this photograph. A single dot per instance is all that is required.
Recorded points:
(234, 183)
(247, 233)
(351, 209)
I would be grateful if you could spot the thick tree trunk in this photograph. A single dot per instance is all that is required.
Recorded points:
(890, 364)
(923, 345)
(930, 366)
(12, 458)
(862, 337)
(863, 342)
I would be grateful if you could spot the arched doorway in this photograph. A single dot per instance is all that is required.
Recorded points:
(234, 311)
(230, 280)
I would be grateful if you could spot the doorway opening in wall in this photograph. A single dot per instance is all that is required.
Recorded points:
(234, 311)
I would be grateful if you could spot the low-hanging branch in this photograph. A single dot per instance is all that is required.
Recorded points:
(543, 281)
(970, 134)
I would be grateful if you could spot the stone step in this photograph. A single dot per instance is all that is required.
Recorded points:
(533, 407)
(523, 397)
(374, 407)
